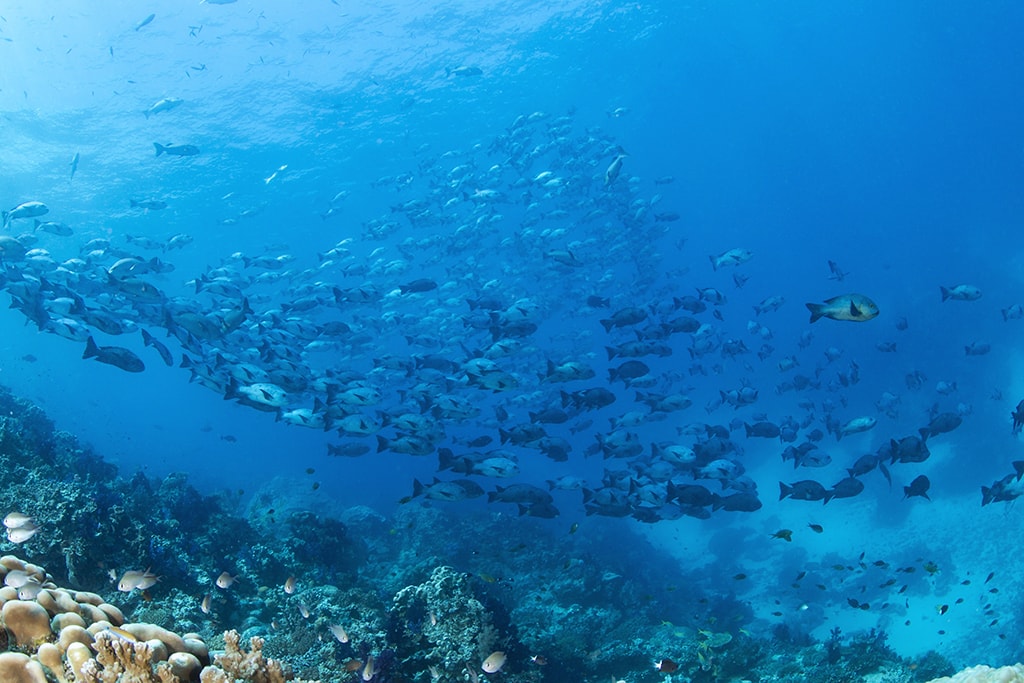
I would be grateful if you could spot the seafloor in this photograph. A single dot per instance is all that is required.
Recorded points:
(429, 592)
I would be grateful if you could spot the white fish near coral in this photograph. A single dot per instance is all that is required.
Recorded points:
(22, 533)
(16, 519)
(494, 662)
(339, 632)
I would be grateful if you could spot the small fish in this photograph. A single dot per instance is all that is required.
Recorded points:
(176, 150)
(494, 662)
(15, 520)
(370, 670)
(539, 660)
(23, 532)
(816, 528)
(613, 170)
(942, 609)
(463, 71)
(784, 534)
(205, 604)
(739, 577)
(339, 632)
(303, 610)
(74, 167)
(166, 104)
(665, 666)
(289, 585)
(145, 22)
(270, 178)
(225, 580)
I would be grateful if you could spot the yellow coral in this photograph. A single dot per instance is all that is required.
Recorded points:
(237, 664)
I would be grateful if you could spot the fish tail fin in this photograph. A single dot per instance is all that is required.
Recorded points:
(147, 338)
(607, 325)
(38, 223)
(784, 491)
(986, 495)
(923, 431)
(91, 349)
(417, 488)
(1018, 467)
(382, 443)
(714, 264)
(160, 149)
(944, 291)
(816, 311)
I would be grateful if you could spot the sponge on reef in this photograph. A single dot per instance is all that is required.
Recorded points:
(985, 674)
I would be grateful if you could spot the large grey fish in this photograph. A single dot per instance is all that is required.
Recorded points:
(114, 355)
(851, 307)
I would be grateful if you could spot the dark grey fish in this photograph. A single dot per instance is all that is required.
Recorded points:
(918, 487)
(165, 353)
(114, 355)
(806, 489)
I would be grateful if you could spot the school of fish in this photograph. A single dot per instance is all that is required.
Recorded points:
(406, 338)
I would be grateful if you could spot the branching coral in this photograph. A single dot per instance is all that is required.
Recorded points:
(235, 664)
(119, 660)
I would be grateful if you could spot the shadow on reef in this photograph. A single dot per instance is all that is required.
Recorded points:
(425, 595)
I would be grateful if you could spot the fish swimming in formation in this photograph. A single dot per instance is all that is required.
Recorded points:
(24, 210)
(117, 356)
(850, 307)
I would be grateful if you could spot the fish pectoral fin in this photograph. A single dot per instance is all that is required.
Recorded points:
(854, 311)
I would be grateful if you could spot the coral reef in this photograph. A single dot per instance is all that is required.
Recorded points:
(427, 594)
(63, 631)
(985, 674)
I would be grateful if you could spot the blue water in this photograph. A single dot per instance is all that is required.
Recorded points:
(884, 137)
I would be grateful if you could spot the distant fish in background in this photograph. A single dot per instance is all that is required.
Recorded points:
(165, 104)
(463, 71)
(960, 293)
(74, 165)
(145, 22)
(836, 273)
(613, 170)
(176, 150)
(732, 257)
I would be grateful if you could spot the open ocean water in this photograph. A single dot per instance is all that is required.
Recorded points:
(404, 215)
